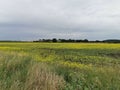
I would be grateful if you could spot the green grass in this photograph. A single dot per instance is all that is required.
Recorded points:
(59, 66)
(20, 72)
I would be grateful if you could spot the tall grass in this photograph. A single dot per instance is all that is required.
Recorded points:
(19, 72)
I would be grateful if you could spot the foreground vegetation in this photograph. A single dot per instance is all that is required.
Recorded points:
(59, 66)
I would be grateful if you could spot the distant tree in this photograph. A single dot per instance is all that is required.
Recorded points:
(39, 40)
(54, 40)
(97, 41)
(62, 40)
(85, 40)
(112, 41)
(78, 40)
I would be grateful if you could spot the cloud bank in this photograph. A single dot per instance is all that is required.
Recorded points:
(78, 19)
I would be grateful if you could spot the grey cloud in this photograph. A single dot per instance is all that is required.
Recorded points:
(32, 19)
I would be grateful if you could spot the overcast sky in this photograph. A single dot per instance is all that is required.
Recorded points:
(78, 19)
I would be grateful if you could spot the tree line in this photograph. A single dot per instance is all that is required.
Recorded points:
(55, 40)
(78, 40)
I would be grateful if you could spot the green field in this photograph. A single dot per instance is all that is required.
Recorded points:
(59, 66)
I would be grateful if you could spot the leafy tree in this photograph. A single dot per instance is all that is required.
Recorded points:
(54, 40)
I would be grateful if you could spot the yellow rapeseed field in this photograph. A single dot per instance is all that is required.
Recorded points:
(78, 66)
